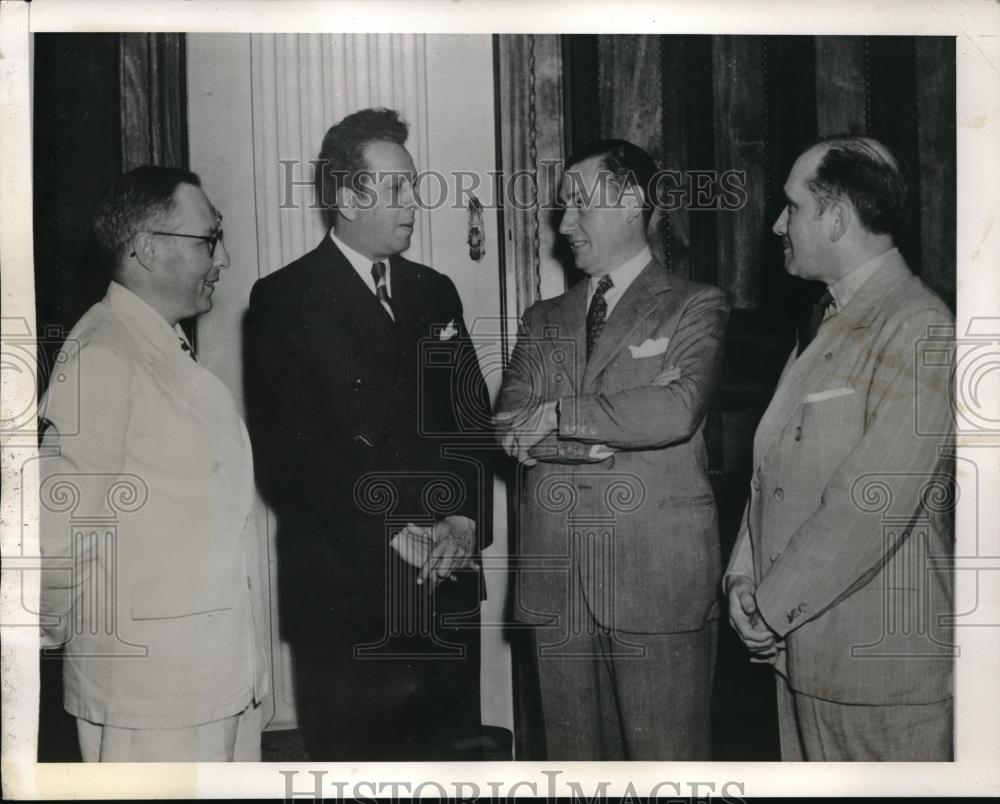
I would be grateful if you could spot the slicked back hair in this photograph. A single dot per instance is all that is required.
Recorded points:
(342, 160)
(629, 167)
(133, 201)
(866, 173)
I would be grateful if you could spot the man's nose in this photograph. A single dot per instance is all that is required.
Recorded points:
(407, 195)
(221, 257)
(780, 225)
(568, 221)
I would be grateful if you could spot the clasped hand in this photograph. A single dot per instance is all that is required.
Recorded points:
(744, 617)
(451, 543)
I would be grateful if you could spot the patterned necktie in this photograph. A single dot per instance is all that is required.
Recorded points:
(597, 314)
(381, 289)
(186, 348)
(818, 314)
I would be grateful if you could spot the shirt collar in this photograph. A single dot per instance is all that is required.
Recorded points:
(151, 324)
(844, 288)
(624, 275)
(362, 265)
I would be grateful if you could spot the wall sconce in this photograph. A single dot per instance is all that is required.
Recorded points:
(477, 230)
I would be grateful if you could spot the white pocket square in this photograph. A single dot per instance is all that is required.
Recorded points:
(820, 396)
(448, 332)
(650, 347)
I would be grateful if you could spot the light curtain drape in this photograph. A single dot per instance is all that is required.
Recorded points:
(301, 85)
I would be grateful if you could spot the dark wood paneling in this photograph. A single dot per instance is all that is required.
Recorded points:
(793, 92)
(841, 94)
(629, 85)
(893, 119)
(630, 90)
(688, 125)
(76, 153)
(581, 76)
(740, 135)
(700, 147)
(935, 58)
(154, 100)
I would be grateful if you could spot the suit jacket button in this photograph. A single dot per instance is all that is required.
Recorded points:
(357, 383)
(779, 494)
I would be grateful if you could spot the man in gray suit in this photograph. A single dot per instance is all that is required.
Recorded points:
(840, 577)
(618, 544)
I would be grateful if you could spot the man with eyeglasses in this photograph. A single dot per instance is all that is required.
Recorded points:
(157, 601)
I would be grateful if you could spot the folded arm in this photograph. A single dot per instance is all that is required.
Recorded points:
(656, 415)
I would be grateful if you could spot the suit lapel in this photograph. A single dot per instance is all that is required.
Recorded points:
(349, 305)
(357, 307)
(638, 302)
(566, 322)
(808, 372)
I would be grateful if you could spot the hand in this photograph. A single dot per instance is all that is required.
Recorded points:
(667, 376)
(519, 437)
(413, 544)
(454, 540)
(744, 617)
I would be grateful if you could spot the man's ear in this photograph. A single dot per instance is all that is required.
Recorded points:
(841, 215)
(347, 203)
(633, 199)
(144, 248)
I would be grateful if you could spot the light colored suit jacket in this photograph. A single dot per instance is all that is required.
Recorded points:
(848, 530)
(152, 576)
(638, 531)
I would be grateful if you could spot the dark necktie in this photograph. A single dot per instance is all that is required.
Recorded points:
(381, 289)
(597, 314)
(818, 314)
(186, 348)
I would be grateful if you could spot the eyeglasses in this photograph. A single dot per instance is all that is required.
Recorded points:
(212, 239)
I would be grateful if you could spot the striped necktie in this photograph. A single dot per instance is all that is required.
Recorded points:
(381, 289)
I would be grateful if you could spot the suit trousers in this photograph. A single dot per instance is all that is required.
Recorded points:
(392, 690)
(616, 695)
(232, 739)
(812, 729)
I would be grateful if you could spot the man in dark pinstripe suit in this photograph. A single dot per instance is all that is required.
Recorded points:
(359, 433)
(837, 577)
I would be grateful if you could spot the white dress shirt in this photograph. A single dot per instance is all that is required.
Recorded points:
(844, 288)
(363, 267)
(621, 278)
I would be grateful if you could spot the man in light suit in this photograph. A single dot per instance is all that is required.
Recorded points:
(366, 394)
(839, 576)
(152, 579)
(619, 553)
